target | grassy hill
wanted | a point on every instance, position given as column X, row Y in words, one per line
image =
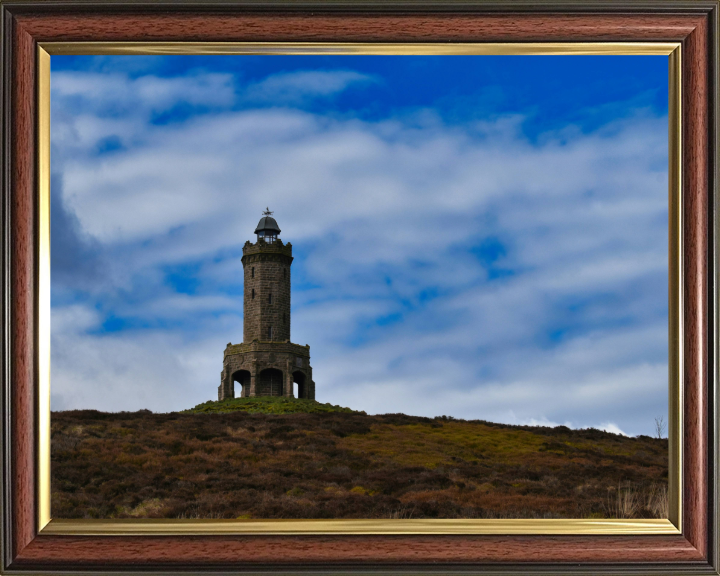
column 267, row 405
column 286, row 458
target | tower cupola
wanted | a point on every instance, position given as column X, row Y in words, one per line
column 267, row 228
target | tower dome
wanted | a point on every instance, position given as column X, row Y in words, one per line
column 267, row 228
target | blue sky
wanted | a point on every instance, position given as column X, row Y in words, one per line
column 483, row 237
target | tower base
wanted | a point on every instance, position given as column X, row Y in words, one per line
column 266, row 369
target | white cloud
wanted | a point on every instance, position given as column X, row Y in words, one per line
column 298, row 87
column 130, row 371
column 114, row 92
column 610, row 427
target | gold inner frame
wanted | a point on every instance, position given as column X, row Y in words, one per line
column 672, row 525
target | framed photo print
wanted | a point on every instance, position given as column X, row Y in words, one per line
column 359, row 288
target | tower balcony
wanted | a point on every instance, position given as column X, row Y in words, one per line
column 267, row 346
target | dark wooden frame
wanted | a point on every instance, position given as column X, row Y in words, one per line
column 694, row 23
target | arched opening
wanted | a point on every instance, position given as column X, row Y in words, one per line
column 299, row 379
column 269, row 383
column 242, row 377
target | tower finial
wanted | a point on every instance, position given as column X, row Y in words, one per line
column 267, row 212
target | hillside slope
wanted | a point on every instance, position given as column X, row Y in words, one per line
column 340, row 464
column 267, row 405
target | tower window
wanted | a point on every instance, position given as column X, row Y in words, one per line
column 253, row 294
column 252, row 272
column 267, row 236
column 270, row 332
column 284, row 272
column 269, row 298
column 284, row 318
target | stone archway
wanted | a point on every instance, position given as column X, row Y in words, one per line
column 269, row 383
column 242, row 377
column 299, row 378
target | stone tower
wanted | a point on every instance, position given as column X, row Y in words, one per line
column 266, row 363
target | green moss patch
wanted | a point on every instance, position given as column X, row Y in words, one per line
column 267, row 405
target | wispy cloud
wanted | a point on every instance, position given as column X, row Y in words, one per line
column 114, row 93
column 610, row 427
column 294, row 88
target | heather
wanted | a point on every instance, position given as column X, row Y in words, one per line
column 286, row 459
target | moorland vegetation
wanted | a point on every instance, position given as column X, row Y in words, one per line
column 285, row 458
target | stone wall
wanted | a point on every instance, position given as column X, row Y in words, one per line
column 250, row 365
column 266, row 302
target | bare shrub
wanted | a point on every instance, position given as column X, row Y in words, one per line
column 660, row 426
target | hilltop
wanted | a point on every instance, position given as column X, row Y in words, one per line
column 267, row 405
column 286, row 458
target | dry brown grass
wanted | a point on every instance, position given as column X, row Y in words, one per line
column 632, row 501
column 623, row 502
column 657, row 500
column 344, row 465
